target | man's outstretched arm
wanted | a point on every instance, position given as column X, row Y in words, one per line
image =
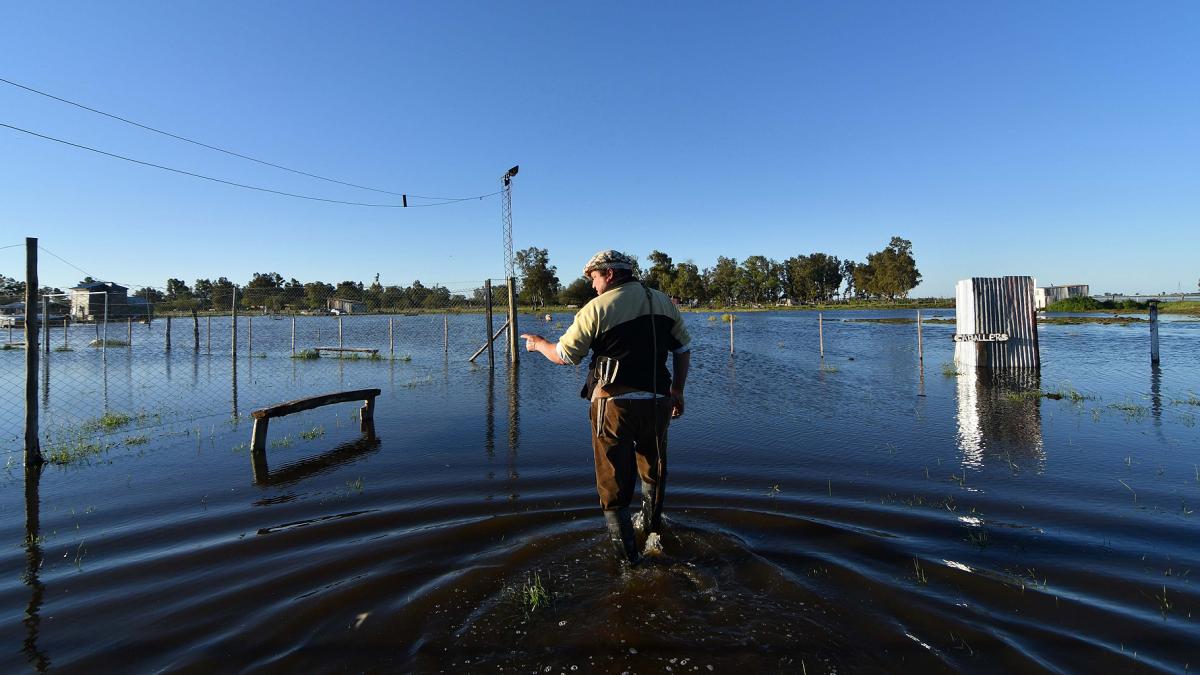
column 548, row 349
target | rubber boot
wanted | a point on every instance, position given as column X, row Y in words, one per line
column 620, row 533
column 651, row 510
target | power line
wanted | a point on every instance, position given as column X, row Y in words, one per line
column 235, row 184
column 219, row 149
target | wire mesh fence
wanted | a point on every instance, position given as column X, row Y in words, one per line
column 117, row 365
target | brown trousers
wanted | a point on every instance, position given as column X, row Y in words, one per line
column 622, row 441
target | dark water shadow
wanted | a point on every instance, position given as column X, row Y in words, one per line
column 34, row 559
column 294, row 472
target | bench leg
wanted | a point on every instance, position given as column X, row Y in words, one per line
column 258, row 437
column 366, row 418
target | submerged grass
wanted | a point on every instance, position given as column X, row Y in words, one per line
column 307, row 354
column 312, row 434
column 532, row 595
column 948, row 370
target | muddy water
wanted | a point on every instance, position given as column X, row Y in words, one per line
column 857, row 514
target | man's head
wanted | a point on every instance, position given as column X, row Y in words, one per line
column 607, row 268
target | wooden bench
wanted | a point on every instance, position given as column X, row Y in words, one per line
column 262, row 416
column 361, row 350
column 262, row 420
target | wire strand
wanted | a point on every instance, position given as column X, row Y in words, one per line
column 220, row 149
column 235, row 184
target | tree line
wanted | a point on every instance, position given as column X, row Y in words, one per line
column 758, row 280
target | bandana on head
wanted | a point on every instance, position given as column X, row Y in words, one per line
column 608, row 260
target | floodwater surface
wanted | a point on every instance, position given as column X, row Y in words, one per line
column 860, row 512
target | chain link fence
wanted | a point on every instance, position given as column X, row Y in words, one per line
column 119, row 364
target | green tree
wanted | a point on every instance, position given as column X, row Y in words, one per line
column 178, row 290
column 578, row 292
column 724, row 281
column 848, row 267
column 221, row 294
column 661, row 271
column 539, row 281
column 760, row 279
column 152, row 295
column 893, row 270
column 202, row 292
column 316, row 293
column 349, row 290
column 264, row 290
column 688, row 284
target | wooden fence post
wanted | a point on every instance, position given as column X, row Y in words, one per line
column 731, row 318
column 487, row 293
column 920, row 344
column 391, row 337
column 46, row 321
column 195, row 332
column 1153, row 332
column 293, row 336
column 821, row 332
column 446, row 333
column 233, row 308
column 33, row 447
column 168, row 333
column 250, row 335
column 513, row 354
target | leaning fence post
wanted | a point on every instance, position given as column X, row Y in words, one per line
column 33, row 448
column 1153, row 332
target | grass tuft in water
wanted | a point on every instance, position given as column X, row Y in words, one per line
column 920, row 573
column 948, row 370
column 62, row 348
column 108, row 343
column 307, row 354
column 532, row 594
column 312, row 434
column 109, row 421
column 75, row 451
column 137, row 440
column 285, row 442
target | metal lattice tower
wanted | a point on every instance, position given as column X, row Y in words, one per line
column 506, row 215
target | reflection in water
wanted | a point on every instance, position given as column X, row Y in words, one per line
column 295, row 472
column 514, row 426
column 33, row 565
column 1156, row 394
column 999, row 416
column 489, row 432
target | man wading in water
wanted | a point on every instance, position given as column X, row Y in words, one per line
column 629, row 328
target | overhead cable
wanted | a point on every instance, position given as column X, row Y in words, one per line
column 219, row 149
column 241, row 185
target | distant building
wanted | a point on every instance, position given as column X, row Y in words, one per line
column 87, row 302
column 1047, row 295
column 340, row 306
column 13, row 309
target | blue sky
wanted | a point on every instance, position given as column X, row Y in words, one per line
column 1053, row 139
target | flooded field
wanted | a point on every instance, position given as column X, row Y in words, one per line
column 856, row 513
